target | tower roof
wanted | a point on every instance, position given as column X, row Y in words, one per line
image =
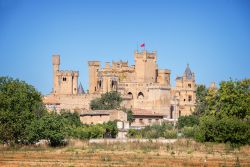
column 80, row 89
column 188, row 73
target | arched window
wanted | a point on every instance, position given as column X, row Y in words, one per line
column 130, row 94
column 140, row 95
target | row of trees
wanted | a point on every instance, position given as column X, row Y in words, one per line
column 24, row 119
column 221, row 115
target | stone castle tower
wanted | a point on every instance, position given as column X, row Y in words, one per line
column 184, row 93
column 64, row 82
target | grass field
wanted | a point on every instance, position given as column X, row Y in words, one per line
column 82, row 153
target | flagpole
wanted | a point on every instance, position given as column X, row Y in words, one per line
column 144, row 45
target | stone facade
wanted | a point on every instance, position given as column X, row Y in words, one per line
column 143, row 86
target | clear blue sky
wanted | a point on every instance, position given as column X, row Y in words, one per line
column 213, row 36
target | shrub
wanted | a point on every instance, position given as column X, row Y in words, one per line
column 81, row 133
column 188, row 131
column 50, row 127
column 170, row 134
column 188, row 121
column 225, row 129
column 108, row 101
column 96, row 131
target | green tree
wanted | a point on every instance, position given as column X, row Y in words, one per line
column 188, row 121
column 227, row 114
column 108, row 101
column 201, row 103
column 234, row 98
column 130, row 116
column 111, row 128
column 20, row 103
column 73, row 118
column 223, row 130
column 51, row 127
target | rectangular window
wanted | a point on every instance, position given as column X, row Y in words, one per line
column 189, row 98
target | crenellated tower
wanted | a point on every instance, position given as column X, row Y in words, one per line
column 64, row 82
column 56, row 65
column 94, row 67
column 145, row 66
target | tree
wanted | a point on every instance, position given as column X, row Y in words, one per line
column 234, row 98
column 111, row 129
column 201, row 103
column 51, row 127
column 227, row 114
column 72, row 118
column 188, row 121
column 20, row 103
column 130, row 116
column 223, row 130
column 108, row 101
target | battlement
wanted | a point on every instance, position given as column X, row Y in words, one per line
column 68, row 73
column 56, row 59
column 94, row 63
column 145, row 55
column 119, row 64
column 164, row 71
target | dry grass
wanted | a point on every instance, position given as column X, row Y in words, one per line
column 81, row 153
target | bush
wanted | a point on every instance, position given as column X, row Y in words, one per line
column 108, row 101
column 96, row 131
column 153, row 132
column 188, row 132
column 50, row 127
column 170, row 134
column 223, row 130
column 81, row 133
column 188, row 121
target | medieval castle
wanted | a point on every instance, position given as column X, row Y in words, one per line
column 144, row 87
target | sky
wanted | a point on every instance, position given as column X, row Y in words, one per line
column 213, row 36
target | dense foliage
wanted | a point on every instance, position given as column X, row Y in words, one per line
column 226, row 114
column 20, row 104
column 107, row 130
column 188, row 121
column 201, row 102
column 155, row 131
column 130, row 116
column 24, row 119
column 107, row 101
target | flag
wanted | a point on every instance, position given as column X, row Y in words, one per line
column 142, row 45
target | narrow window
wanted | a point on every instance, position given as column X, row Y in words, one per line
column 189, row 98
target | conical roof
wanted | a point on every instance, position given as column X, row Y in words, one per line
column 80, row 89
column 188, row 72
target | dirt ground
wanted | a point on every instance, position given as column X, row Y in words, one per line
column 83, row 153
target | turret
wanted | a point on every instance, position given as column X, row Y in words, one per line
column 56, row 64
column 145, row 66
column 93, row 75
